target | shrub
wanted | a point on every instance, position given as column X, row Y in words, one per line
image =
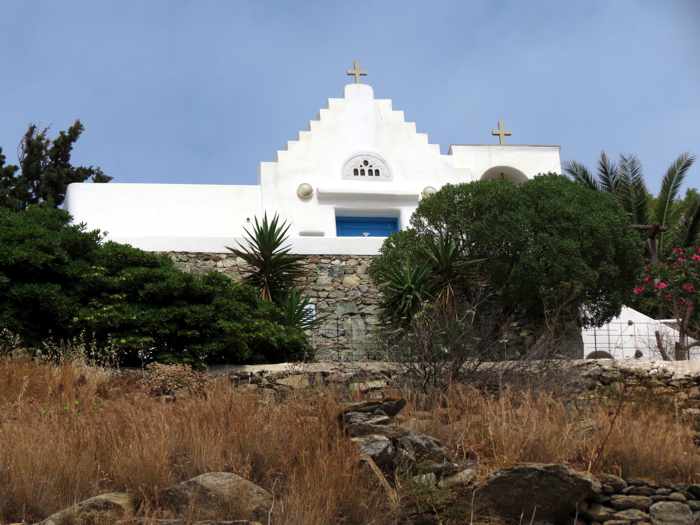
column 61, row 283
column 555, row 255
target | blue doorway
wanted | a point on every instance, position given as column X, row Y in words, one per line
column 366, row 226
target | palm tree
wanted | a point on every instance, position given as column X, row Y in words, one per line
column 626, row 181
column 272, row 269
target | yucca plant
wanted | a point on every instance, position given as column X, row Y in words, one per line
column 297, row 311
column 626, row 181
column 448, row 268
column 405, row 290
column 272, row 269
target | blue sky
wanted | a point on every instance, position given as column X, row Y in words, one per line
column 202, row 91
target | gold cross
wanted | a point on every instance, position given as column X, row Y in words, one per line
column 500, row 132
column 356, row 72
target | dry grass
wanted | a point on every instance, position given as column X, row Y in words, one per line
column 71, row 432
column 645, row 439
column 68, row 433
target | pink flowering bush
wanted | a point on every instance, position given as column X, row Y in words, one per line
column 675, row 283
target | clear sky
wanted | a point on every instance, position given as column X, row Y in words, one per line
column 202, row 91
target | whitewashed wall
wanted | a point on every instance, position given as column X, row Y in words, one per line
column 206, row 218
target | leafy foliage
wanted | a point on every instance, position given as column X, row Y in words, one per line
column 61, row 283
column 547, row 245
column 44, row 170
column 273, row 269
column 625, row 181
column 676, row 284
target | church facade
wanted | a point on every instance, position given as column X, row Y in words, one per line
column 347, row 182
column 353, row 177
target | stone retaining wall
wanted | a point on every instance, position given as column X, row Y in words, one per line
column 339, row 286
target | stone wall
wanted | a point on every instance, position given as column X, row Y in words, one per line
column 339, row 286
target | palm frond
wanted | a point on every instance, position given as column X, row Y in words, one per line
column 633, row 190
column 689, row 225
column 579, row 173
column 670, row 186
column 607, row 173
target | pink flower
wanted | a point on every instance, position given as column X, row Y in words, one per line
column 638, row 290
column 647, row 279
column 661, row 285
column 688, row 287
column 696, row 257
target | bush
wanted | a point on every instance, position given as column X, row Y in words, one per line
column 555, row 255
column 61, row 283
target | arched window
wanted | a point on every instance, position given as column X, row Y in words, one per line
column 504, row 173
column 366, row 166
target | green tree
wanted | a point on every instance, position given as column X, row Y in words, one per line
column 44, row 170
column 625, row 181
column 552, row 250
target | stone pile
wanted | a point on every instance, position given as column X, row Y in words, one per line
column 215, row 498
column 371, row 426
column 642, row 501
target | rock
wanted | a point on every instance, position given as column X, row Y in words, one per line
column 363, row 423
column 625, row 501
column 389, row 407
column 422, row 447
column 377, row 447
column 105, row 508
column 462, row 478
column 553, row 490
column 632, row 515
column 217, row 495
column 694, row 490
column 694, row 505
column 639, row 490
column 598, row 512
column 641, row 481
column 677, row 496
column 426, row 480
column 616, row 483
column 671, row 513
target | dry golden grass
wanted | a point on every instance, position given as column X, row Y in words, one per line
column 633, row 438
column 70, row 432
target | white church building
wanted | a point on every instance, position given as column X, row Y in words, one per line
column 352, row 178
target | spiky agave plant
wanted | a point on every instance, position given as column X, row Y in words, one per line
column 272, row 269
column 405, row 290
column 449, row 270
column 297, row 311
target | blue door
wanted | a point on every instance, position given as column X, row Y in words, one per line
column 366, row 226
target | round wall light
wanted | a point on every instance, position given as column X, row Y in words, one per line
column 428, row 191
column 305, row 191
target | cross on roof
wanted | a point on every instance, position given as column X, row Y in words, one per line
column 356, row 71
column 500, row 132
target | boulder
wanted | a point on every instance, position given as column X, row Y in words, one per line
column 216, row 496
column 632, row 515
column 670, row 513
column 598, row 513
column 362, row 423
column 626, row 501
column 616, row 483
column 389, row 407
column 462, row 478
column 422, row 447
column 377, row 447
column 552, row 491
column 105, row 508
